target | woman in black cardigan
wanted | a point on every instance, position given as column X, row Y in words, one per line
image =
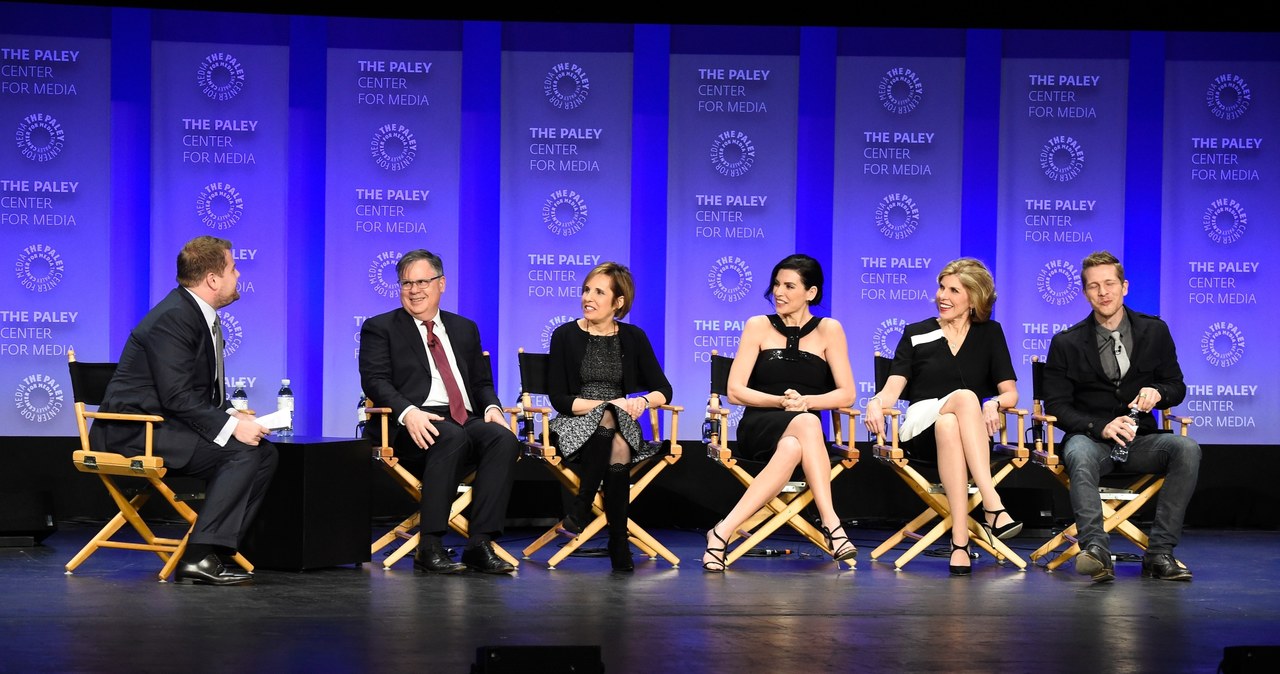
column 603, row 376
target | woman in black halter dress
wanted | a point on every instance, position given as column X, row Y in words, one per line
column 788, row 367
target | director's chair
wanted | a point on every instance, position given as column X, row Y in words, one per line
column 1123, row 493
column 88, row 387
column 1005, row 457
column 530, row 422
column 785, row 508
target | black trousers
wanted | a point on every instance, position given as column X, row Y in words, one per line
column 236, row 480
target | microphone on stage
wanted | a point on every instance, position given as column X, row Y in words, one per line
column 767, row 552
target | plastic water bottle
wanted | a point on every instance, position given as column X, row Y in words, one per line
column 1121, row 453
column 284, row 401
column 362, row 416
column 240, row 399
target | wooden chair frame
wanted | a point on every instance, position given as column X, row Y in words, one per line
column 1118, row 504
column 408, row 529
column 530, row 423
column 1008, row 455
column 785, row 508
column 88, row 383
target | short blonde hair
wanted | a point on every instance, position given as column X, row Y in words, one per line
column 976, row 278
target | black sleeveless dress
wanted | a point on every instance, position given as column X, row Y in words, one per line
column 775, row 371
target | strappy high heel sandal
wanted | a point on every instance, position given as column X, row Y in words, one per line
column 1013, row 528
column 961, row 570
column 716, row 565
column 846, row 550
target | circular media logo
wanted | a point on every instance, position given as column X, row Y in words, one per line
column 1062, row 158
column 1222, row 344
column 1228, row 96
column 40, row 137
column 566, row 86
column 220, row 76
column 887, row 335
column 897, row 216
column 393, row 146
column 1225, row 221
column 900, row 90
column 544, row 337
column 1058, row 282
column 733, row 153
column 729, row 278
column 219, row 205
column 564, row 212
column 39, row 268
column 382, row 273
column 38, row 398
column 232, row 333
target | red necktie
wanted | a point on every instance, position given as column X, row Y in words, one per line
column 457, row 409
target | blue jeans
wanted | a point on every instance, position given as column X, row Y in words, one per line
column 1174, row 456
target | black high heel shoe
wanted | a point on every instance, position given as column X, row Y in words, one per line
column 961, row 570
column 716, row 565
column 1013, row 528
column 846, row 550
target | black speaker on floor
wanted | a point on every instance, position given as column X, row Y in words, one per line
column 26, row 518
column 1249, row 659
column 541, row 659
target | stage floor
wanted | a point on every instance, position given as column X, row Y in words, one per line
column 788, row 613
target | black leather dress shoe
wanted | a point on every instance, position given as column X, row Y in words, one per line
column 433, row 559
column 1162, row 566
column 482, row 558
column 1095, row 561
column 231, row 568
column 208, row 571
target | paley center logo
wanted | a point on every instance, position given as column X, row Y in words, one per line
column 544, row 337
column 232, row 333
column 39, row 398
column 1062, row 158
column 219, row 205
column 39, row 268
column 566, row 86
column 733, row 153
column 220, row 76
column 1225, row 221
column 40, row 137
column 382, row 273
column 393, row 147
column 1222, row 344
column 729, row 278
column 900, row 90
column 897, row 216
column 887, row 335
column 1228, row 96
column 1058, row 282
column 564, row 212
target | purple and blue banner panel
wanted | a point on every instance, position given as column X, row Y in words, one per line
column 566, row 191
column 1219, row 235
column 219, row 161
column 391, row 185
column 731, row 204
column 54, row 224
column 1061, row 192
column 898, row 168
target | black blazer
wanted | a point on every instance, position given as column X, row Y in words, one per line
column 1078, row 392
column 395, row 368
column 640, row 369
column 168, row 367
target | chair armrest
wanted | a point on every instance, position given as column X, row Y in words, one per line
column 1169, row 417
column 123, row 416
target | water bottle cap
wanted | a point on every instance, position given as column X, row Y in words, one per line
column 284, row 382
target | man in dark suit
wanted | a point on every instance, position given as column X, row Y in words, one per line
column 170, row 367
column 1114, row 361
column 428, row 367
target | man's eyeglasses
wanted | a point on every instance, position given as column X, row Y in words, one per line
column 420, row 284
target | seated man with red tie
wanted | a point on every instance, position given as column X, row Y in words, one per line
column 428, row 367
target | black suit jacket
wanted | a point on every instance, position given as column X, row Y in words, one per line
column 1078, row 392
column 167, row 368
column 395, row 368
